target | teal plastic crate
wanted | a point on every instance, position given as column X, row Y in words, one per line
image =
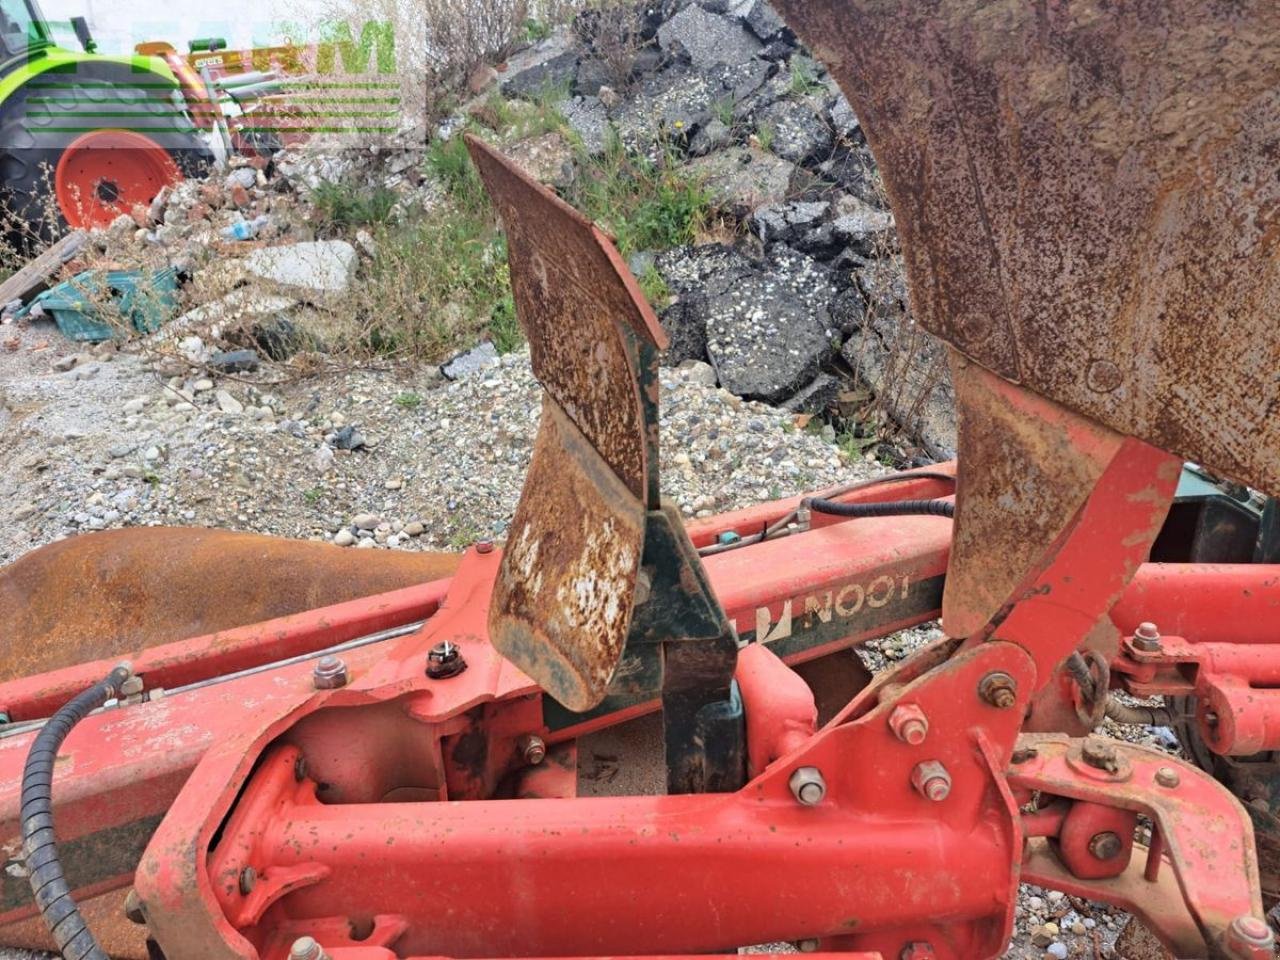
column 146, row 299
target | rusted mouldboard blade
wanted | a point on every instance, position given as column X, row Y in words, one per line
column 1087, row 199
column 562, row 604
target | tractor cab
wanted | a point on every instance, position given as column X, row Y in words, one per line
column 23, row 33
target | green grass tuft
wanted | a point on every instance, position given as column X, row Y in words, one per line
column 349, row 205
column 645, row 204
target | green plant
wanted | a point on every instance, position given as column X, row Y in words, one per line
column 853, row 445
column 464, row 536
column 346, row 204
column 804, row 77
column 646, row 204
column 497, row 113
column 535, row 30
column 654, row 287
column 313, row 494
column 450, row 163
column 723, row 110
column 504, row 328
column 765, row 134
column 408, row 400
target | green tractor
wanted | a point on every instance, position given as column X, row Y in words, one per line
column 84, row 137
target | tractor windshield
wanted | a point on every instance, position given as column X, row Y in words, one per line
column 21, row 28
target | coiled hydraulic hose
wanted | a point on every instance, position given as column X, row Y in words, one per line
column 39, row 846
column 891, row 508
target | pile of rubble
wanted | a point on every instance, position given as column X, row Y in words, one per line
column 810, row 302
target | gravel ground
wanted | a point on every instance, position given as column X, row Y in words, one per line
column 113, row 442
column 98, row 439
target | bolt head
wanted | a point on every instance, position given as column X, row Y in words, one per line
column 329, row 673
column 444, row 661
column 808, row 786
column 807, row 946
column 909, row 723
column 1105, row 845
column 304, row 948
column 931, row 780
column 998, row 689
column 248, row 880
column 133, row 907
column 1098, row 753
column 1249, row 935
column 1167, row 777
column 484, row 546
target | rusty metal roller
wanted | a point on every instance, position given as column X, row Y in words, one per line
column 1087, row 197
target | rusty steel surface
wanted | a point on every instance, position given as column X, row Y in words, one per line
column 1087, row 199
column 101, row 595
column 576, row 301
column 1028, row 467
column 562, row 604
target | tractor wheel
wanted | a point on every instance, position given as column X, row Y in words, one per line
column 77, row 150
column 1255, row 781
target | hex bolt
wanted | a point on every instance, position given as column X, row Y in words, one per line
column 533, row 749
column 1105, row 845
column 484, row 546
column 808, row 785
column 1146, row 638
column 306, row 948
column 1099, row 754
column 300, row 768
column 931, row 780
column 1167, row 777
column 1248, row 936
column 133, row 907
column 998, row 689
column 329, row 673
column 248, row 878
column 807, row 946
column 909, row 724
column 445, row 661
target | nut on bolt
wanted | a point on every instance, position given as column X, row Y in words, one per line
column 1146, row 638
column 330, row 673
column 909, row 724
column 484, row 546
column 1105, row 845
column 808, row 786
column 931, row 780
column 444, row 661
column 998, row 689
column 1167, row 777
column 533, row 749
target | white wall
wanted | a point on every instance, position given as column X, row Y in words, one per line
column 118, row 24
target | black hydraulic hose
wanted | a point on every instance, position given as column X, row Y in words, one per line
column 39, row 846
column 892, row 508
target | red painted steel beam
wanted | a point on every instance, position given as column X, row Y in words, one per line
column 1205, row 602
